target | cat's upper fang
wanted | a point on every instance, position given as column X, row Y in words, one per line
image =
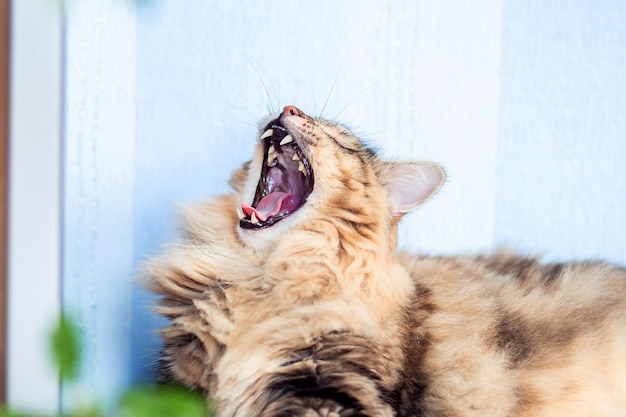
column 267, row 133
column 287, row 139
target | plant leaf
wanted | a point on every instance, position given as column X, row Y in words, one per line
column 6, row 412
column 65, row 348
column 163, row 401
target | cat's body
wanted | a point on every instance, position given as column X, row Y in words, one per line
column 296, row 303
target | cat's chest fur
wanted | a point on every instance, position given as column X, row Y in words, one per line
column 287, row 298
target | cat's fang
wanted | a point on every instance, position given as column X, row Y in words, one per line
column 287, row 139
column 253, row 218
column 267, row 133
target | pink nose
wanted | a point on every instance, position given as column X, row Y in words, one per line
column 292, row 111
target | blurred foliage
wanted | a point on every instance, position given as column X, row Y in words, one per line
column 65, row 348
column 140, row 401
column 162, row 401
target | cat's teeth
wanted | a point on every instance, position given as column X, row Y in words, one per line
column 301, row 168
column 271, row 155
column 267, row 133
column 295, row 157
column 287, row 139
column 253, row 219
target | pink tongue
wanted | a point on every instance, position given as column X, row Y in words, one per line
column 273, row 204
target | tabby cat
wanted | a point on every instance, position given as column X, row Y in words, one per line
column 288, row 298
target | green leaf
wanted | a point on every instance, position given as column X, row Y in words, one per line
column 90, row 410
column 65, row 348
column 5, row 412
column 163, row 401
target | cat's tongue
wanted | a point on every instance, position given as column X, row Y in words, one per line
column 273, row 204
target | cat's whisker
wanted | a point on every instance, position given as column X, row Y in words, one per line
column 332, row 88
column 358, row 95
column 269, row 103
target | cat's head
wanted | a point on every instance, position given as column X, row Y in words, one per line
column 307, row 170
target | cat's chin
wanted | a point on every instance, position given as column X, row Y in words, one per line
column 265, row 238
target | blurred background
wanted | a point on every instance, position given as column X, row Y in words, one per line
column 122, row 110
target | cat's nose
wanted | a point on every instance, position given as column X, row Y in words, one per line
column 292, row 111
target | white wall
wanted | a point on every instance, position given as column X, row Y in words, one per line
column 561, row 188
column 34, row 273
column 521, row 102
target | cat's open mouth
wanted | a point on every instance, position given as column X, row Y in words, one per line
column 286, row 180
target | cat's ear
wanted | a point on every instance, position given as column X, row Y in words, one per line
column 410, row 184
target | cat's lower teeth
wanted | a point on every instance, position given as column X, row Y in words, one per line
column 301, row 168
column 271, row 155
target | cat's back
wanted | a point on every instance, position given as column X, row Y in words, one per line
column 537, row 339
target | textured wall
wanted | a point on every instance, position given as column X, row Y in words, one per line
column 521, row 102
column 561, row 183
column 98, row 238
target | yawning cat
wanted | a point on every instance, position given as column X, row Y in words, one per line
column 288, row 298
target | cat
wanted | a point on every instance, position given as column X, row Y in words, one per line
column 287, row 298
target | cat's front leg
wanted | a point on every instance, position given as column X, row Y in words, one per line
column 197, row 337
column 195, row 342
column 215, row 309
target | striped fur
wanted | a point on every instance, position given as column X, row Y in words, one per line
column 318, row 315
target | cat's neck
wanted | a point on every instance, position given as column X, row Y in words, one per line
column 327, row 261
column 340, row 262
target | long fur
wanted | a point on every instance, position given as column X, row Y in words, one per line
column 319, row 316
